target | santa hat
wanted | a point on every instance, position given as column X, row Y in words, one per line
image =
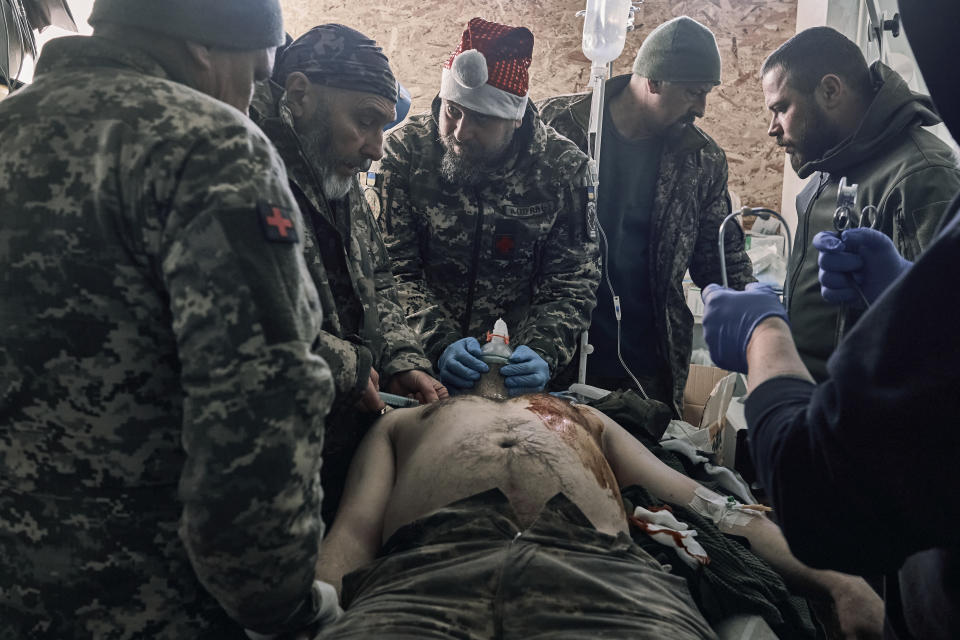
column 488, row 71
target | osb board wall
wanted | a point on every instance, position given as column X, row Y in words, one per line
column 418, row 36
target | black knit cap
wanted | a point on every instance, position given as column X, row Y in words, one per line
column 337, row 56
column 242, row 25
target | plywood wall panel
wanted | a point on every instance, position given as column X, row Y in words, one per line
column 418, row 36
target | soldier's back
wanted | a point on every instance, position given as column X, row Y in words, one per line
column 94, row 156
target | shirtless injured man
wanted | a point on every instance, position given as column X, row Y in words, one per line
column 477, row 518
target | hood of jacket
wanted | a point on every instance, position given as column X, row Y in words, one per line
column 894, row 108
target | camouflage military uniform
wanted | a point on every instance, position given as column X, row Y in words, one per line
column 690, row 202
column 363, row 323
column 520, row 246
column 468, row 571
column 162, row 409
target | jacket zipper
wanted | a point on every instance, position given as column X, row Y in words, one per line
column 795, row 277
column 474, row 266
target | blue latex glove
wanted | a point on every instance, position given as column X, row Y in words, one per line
column 729, row 318
column 460, row 364
column 864, row 255
column 526, row 373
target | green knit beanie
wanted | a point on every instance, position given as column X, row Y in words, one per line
column 243, row 25
column 679, row 50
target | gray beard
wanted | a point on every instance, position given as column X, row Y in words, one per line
column 316, row 145
column 461, row 171
column 335, row 187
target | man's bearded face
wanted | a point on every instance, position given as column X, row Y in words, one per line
column 337, row 167
column 474, row 144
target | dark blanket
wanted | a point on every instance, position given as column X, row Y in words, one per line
column 736, row 581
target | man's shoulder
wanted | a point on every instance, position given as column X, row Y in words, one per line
column 560, row 107
column 416, row 130
column 915, row 154
column 558, row 156
column 931, row 151
column 414, row 140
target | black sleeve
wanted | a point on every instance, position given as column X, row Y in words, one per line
column 862, row 469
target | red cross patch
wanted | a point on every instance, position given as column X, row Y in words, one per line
column 277, row 223
column 504, row 245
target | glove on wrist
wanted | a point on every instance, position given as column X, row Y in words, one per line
column 862, row 255
column 729, row 318
column 460, row 365
column 526, row 373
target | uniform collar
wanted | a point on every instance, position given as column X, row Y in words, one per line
column 71, row 52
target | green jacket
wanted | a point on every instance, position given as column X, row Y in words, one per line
column 162, row 408
column 691, row 201
column 519, row 246
column 907, row 173
column 363, row 323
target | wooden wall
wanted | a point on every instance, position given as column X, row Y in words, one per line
column 418, row 36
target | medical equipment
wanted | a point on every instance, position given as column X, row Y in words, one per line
column 399, row 402
column 846, row 205
column 842, row 220
column 497, row 347
column 878, row 23
column 18, row 20
column 605, row 30
column 760, row 212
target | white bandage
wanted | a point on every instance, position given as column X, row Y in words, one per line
column 724, row 512
column 663, row 518
column 662, row 527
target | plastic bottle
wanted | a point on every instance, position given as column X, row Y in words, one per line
column 496, row 353
column 497, row 347
column 605, row 30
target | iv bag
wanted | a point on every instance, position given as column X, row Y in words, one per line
column 605, row 30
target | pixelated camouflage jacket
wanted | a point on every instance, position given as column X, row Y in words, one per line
column 690, row 202
column 519, row 246
column 161, row 410
column 366, row 327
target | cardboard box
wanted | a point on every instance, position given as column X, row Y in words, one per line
column 700, row 384
column 707, row 398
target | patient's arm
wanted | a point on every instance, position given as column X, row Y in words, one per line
column 859, row 608
column 357, row 531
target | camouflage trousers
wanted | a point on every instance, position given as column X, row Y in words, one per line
column 467, row 571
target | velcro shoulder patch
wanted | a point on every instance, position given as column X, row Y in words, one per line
column 277, row 223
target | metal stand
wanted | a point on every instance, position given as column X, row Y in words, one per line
column 765, row 214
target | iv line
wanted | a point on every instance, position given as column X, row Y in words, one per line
column 616, row 306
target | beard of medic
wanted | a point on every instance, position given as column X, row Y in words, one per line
column 317, row 136
column 469, row 163
column 814, row 138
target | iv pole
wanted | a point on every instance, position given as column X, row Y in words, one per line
column 599, row 14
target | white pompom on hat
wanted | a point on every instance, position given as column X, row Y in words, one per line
column 488, row 71
column 469, row 69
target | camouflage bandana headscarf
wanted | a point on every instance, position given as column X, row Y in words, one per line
column 338, row 56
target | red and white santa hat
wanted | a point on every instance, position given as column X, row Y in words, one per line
column 488, row 71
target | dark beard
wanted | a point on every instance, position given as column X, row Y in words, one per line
column 468, row 168
column 817, row 139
